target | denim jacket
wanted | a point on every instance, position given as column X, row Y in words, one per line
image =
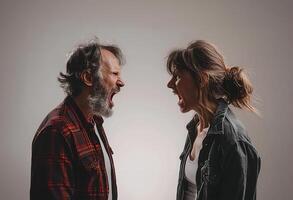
column 228, row 164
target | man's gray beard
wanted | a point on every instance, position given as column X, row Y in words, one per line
column 98, row 100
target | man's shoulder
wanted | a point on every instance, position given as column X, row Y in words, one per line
column 61, row 120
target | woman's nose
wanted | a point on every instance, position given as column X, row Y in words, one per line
column 170, row 84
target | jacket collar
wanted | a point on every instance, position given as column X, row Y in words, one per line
column 217, row 123
column 216, row 126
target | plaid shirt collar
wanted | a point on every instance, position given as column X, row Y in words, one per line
column 98, row 120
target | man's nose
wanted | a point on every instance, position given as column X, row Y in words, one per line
column 120, row 83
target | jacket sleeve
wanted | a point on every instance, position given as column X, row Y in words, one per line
column 240, row 173
column 52, row 174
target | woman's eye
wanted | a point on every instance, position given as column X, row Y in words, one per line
column 115, row 73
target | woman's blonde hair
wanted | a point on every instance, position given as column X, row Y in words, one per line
column 213, row 77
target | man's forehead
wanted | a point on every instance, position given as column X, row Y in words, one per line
column 109, row 59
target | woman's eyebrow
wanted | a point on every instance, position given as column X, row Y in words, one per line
column 175, row 71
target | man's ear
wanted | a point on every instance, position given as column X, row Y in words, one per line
column 87, row 78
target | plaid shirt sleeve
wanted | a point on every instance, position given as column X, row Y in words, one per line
column 52, row 170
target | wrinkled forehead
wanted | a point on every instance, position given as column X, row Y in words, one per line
column 109, row 60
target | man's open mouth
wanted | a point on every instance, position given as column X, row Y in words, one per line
column 111, row 103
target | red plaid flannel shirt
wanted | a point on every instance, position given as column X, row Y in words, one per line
column 67, row 159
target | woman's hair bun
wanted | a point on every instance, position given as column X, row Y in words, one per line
column 236, row 85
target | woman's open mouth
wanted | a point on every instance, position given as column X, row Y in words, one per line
column 180, row 99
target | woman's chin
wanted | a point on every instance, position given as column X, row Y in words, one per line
column 183, row 108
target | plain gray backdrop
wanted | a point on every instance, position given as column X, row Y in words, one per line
column 147, row 131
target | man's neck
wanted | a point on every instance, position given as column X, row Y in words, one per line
column 83, row 104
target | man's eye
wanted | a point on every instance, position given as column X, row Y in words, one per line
column 115, row 73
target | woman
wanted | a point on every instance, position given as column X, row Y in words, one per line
column 218, row 161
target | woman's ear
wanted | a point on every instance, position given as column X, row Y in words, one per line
column 87, row 78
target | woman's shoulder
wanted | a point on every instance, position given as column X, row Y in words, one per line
column 233, row 131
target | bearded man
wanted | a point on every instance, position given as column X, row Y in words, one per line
column 71, row 156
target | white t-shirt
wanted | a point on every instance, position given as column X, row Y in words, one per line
column 192, row 165
column 107, row 164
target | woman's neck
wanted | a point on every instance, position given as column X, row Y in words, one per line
column 205, row 120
